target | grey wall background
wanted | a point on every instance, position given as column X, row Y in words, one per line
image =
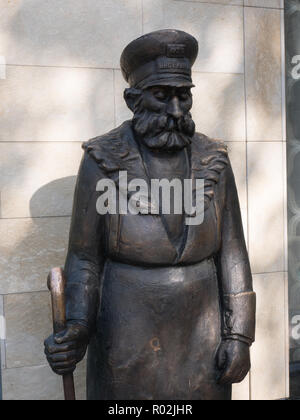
column 63, row 85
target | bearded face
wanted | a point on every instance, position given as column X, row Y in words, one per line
column 162, row 120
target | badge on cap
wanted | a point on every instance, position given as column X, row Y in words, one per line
column 176, row 50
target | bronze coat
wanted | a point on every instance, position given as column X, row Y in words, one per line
column 156, row 313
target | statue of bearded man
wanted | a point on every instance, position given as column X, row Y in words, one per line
column 166, row 309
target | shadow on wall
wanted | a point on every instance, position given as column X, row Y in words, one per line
column 54, row 199
column 32, row 246
column 54, row 202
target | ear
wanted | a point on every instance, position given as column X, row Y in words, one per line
column 131, row 96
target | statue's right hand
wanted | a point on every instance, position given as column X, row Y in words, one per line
column 66, row 349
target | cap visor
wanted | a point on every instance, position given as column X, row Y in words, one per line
column 175, row 81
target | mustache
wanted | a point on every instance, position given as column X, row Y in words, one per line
column 149, row 123
column 168, row 141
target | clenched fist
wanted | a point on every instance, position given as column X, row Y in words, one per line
column 233, row 360
column 66, row 349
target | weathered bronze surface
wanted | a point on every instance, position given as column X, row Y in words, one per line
column 56, row 285
column 166, row 308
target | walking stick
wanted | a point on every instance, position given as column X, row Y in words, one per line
column 56, row 285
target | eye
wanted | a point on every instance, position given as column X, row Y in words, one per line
column 184, row 96
column 160, row 95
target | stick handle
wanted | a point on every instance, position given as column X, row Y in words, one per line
column 56, row 285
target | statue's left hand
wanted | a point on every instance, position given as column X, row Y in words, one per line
column 233, row 360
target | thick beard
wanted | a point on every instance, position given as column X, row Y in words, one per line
column 162, row 132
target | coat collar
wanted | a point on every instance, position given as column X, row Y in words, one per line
column 118, row 151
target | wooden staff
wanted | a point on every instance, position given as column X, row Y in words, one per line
column 56, row 285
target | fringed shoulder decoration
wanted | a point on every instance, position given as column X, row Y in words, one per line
column 209, row 159
column 109, row 150
column 117, row 151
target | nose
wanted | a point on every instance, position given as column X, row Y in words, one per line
column 174, row 109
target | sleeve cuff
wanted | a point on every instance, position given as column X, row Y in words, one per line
column 239, row 317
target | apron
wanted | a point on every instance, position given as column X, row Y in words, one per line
column 158, row 332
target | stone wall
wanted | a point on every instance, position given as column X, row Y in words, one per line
column 63, row 85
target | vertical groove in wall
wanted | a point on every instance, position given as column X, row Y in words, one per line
column 282, row 28
column 114, row 92
column 287, row 341
column 284, row 138
column 142, row 4
column 2, row 342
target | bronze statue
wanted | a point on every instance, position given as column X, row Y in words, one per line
column 166, row 308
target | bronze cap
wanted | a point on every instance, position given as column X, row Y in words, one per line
column 162, row 57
